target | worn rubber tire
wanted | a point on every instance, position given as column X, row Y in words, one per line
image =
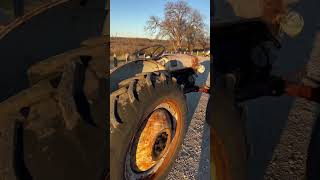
column 229, row 148
column 130, row 105
column 56, row 128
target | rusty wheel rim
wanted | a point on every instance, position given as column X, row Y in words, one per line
column 155, row 143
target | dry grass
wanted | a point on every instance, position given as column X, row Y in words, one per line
column 122, row 45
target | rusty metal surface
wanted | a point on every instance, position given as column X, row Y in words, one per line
column 175, row 111
column 158, row 122
column 155, row 169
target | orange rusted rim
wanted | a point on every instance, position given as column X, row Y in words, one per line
column 154, row 140
column 155, row 143
column 220, row 169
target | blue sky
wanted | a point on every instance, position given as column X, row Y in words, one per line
column 128, row 17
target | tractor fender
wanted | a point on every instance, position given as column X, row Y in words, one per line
column 131, row 69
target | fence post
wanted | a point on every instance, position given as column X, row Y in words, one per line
column 115, row 60
column 127, row 57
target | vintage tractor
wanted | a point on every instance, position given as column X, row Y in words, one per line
column 53, row 90
column 148, row 112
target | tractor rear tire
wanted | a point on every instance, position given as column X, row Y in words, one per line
column 56, row 128
column 132, row 108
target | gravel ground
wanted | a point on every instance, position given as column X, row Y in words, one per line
column 290, row 155
column 193, row 161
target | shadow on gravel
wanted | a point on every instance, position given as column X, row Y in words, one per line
column 266, row 119
column 267, row 116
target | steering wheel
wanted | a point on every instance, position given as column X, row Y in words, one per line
column 156, row 52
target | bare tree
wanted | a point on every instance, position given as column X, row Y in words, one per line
column 179, row 24
column 194, row 30
column 204, row 39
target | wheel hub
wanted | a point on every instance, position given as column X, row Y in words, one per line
column 154, row 140
column 160, row 144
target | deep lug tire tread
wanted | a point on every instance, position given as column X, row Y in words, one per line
column 131, row 100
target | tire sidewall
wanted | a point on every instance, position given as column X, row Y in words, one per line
column 228, row 123
column 134, row 118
